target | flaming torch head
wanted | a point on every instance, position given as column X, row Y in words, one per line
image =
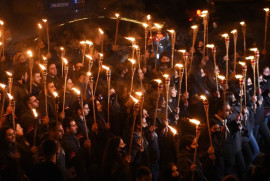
column 42, row 67
column 134, row 99
column 117, row 15
column 9, row 74
column 35, row 113
column 172, row 129
column 1, row 22
column 77, row 91
column 132, row 39
column 132, row 61
column 101, row 31
column 148, row 17
column 10, row 96
column 145, row 25
column 55, row 94
column 266, row 10
column 89, row 57
column 39, row 26
column 29, row 53
column 2, row 86
column 65, row 61
column 194, row 27
column 242, row 23
column 179, row 66
column 44, row 20
column 195, row 121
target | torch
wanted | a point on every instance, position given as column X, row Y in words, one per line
column 224, row 86
column 243, row 25
column 253, row 64
column 56, row 100
column 257, row 58
column 44, row 71
column 206, row 109
column 205, row 24
column 83, row 43
column 135, row 113
column 234, row 32
column 241, row 83
column 13, row 110
column 36, row 122
column 244, row 73
column 133, row 43
column 90, row 62
column 212, row 46
column 3, row 36
column 173, row 45
column 194, row 36
column 167, row 85
column 158, row 32
column 117, row 15
column 133, row 68
column 141, row 100
column 90, row 47
column 109, row 74
column 31, row 62
column 150, row 29
column 227, row 43
column 180, row 68
column 265, row 29
column 10, row 83
column 99, row 68
column 3, row 87
column 185, row 56
column 145, row 25
column 138, row 53
column 160, row 88
column 47, row 31
column 78, row 92
column 65, row 83
column 91, row 84
column 101, row 37
column 39, row 40
column 62, row 56
column 197, row 123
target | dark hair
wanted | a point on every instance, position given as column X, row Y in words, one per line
column 53, row 125
column 166, row 172
column 66, row 122
column 48, row 148
column 142, row 171
column 187, row 141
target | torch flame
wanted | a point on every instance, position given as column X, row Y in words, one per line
column 148, row 17
column 9, row 73
column 42, row 67
column 10, row 96
column 166, row 76
column 253, row 49
column 172, row 129
column 221, row 77
column 130, row 39
column 182, row 51
column 89, row 57
column 138, row 93
column 89, row 74
column 100, row 54
column 132, row 61
column 225, row 35
column 242, row 63
column 204, row 12
column 55, row 94
column 3, row 86
column 1, row 22
column 203, row 98
column 117, row 15
column 158, row 81
column 234, row 31
column 135, row 46
column 44, row 58
column 239, row 76
column 195, row 121
column 178, row 65
column 39, row 26
column 145, row 25
column 62, row 48
column 1, row 43
column 82, row 42
column 171, row 31
column 210, row 45
column 158, row 25
column 266, row 9
column 35, row 113
column 250, row 58
column 89, row 42
column 77, row 91
column 105, row 67
column 101, row 31
column 242, row 23
column 65, row 61
column 194, row 27
column 44, row 20
column 29, row 52
column 134, row 99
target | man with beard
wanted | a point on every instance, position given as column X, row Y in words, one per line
column 36, row 86
column 19, row 89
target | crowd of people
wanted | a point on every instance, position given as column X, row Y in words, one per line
column 81, row 137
